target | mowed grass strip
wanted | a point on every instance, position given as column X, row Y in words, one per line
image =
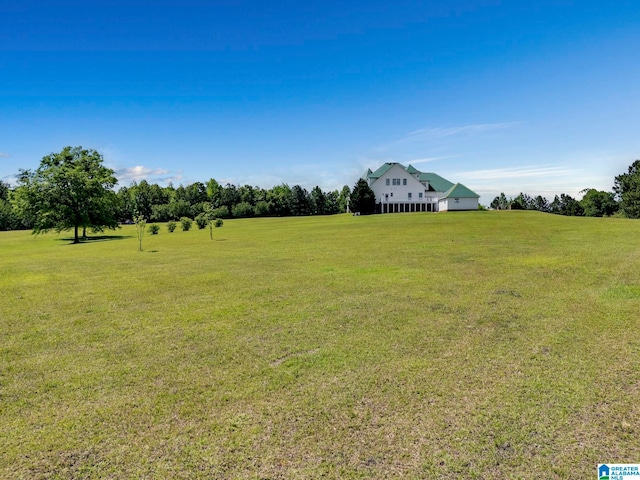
column 474, row 345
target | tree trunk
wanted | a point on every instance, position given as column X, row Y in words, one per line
column 75, row 237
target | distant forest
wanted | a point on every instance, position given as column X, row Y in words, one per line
column 594, row 203
column 161, row 204
column 29, row 206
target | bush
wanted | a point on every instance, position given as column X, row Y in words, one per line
column 220, row 212
column 154, row 228
column 261, row 209
column 185, row 222
column 202, row 220
column 171, row 226
column 218, row 222
column 160, row 213
column 242, row 210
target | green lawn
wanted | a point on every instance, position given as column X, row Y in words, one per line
column 474, row 345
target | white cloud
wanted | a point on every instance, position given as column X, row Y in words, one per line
column 427, row 160
column 128, row 175
column 10, row 179
column 516, row 172
column 545, row 180
column 4, row 155
column 430, row 133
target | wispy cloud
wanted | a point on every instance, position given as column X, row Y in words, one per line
column 434, row 134
column 139, row 172
column 517, row 172
column 545, row 180
column 4, row 155
column 10, row 179
column 428, row 159
column 441, row 132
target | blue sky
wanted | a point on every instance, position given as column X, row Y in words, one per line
column 504, row 96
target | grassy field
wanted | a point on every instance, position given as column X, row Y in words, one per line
column 474, row 345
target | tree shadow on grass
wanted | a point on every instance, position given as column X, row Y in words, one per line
column 96, row 238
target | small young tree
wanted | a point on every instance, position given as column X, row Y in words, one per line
column 209, row 213
column 141, row 224
column 171, row 226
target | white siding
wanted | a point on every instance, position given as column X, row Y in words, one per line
column 398, row 192
column 451, row 203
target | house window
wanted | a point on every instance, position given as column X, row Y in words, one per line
column 457, row 200
column 409, row 195
column 391, row 194
column 404, row 182
column 388, row 182
column 419, row 194
column 396, row 182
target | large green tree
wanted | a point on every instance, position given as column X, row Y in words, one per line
column 627, row 189
column 8, row 218
column 566, row 205
column 362, row 198
column 318, row 201
column 598, row 203
column 71, row 189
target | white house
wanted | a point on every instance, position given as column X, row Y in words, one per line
column 406, row 189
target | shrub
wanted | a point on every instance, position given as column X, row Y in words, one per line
column 202, row 220
column 171, row 226
column 154, row 228
column 218, row 222
column 160, row 213
column 261, row 209
column 220, row 212
column 185, row 222
column 242, row 210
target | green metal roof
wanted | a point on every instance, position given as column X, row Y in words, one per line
column 367, row 174
column 382, row 170
column 460, row 191
column 438, row 183
column 435, row 181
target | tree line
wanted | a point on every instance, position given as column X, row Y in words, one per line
column 623, row 201
column 72, row 189
column 161, row 204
